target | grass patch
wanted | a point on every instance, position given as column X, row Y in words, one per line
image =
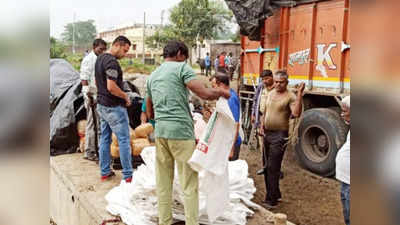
column 136, row 66
column 127, row 65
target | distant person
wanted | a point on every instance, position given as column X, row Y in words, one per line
column 222, row 81
column 86, row 53
column 208, row 64
column 112, row 103
column 216, row 63
column 228, row 59
column 343, row 164
column 167, row 102
column 229, row 65
column 89, row 92
column 221, row 63
column 279, row 106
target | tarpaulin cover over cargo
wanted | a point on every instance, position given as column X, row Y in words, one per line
column 251, row 14
column 67, row 106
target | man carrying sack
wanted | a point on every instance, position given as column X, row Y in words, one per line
column 167, row 102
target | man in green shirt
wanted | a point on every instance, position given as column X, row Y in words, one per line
column 167, row 102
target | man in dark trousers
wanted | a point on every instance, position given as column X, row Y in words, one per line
column 89, row 91
column 279, row 106
column 208, row 64
column 112, row 103
column 266, row 85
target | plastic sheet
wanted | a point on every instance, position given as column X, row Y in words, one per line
column 67, row 106
column 250, row 14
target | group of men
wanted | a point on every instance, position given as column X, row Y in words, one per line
column 167, row 105
column 274, row 105
column 223, row 63
column 106, row 102
column 273, row 108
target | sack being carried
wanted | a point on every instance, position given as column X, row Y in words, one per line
column 210, row 158
column 214, row 146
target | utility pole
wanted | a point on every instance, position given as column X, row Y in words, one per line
column 144, row 34
column 162, row 20
column 162, row 17
column 73, row 35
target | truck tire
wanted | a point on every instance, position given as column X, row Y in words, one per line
column 321, row 134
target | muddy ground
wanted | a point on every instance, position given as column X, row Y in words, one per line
column 307, row 199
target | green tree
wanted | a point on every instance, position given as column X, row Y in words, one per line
column 193, row 20
column 161, row 37
column 57, row 49
column 85, row 33
column 199, row 19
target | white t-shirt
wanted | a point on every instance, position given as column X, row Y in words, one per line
column 87, row 71
column 343, row 162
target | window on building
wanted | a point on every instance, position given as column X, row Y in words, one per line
column 134, row 47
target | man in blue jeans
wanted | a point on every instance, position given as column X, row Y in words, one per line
column 207, row 61
column 112, row 103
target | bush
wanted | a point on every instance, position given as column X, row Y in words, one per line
column 57, row 49
column 75, row 60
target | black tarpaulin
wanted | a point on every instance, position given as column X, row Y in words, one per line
column 67, row 106
column 251, row 14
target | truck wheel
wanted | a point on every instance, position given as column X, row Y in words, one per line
column 321, row 134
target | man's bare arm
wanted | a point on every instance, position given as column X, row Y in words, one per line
column 262, row 125
column 297, row 106
column 149, row 108
column 113, row 88
column 143, row 117
column 203, row 92
column 85, row 82
column 235, row 139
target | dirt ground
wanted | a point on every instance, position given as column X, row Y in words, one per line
column 307, row 199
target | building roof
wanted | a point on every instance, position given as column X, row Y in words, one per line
column 134, row 26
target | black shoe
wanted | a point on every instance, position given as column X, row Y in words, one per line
column 270, row 204
column 261, row 171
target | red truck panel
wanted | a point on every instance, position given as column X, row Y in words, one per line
column 313, row 42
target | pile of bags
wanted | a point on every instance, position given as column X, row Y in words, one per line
column 139, row 138
column 136, row 202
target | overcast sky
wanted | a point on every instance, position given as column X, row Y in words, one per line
column 106, row 13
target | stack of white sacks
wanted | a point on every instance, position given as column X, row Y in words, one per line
column 136, row 202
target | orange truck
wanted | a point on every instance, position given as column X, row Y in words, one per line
column 311, row 41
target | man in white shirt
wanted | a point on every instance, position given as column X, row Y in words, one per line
column 343, row 164
column 89, row 91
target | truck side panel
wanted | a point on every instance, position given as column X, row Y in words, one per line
column 316, row 33
column 250, row 61
column 311, row 41
column 270, row 42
